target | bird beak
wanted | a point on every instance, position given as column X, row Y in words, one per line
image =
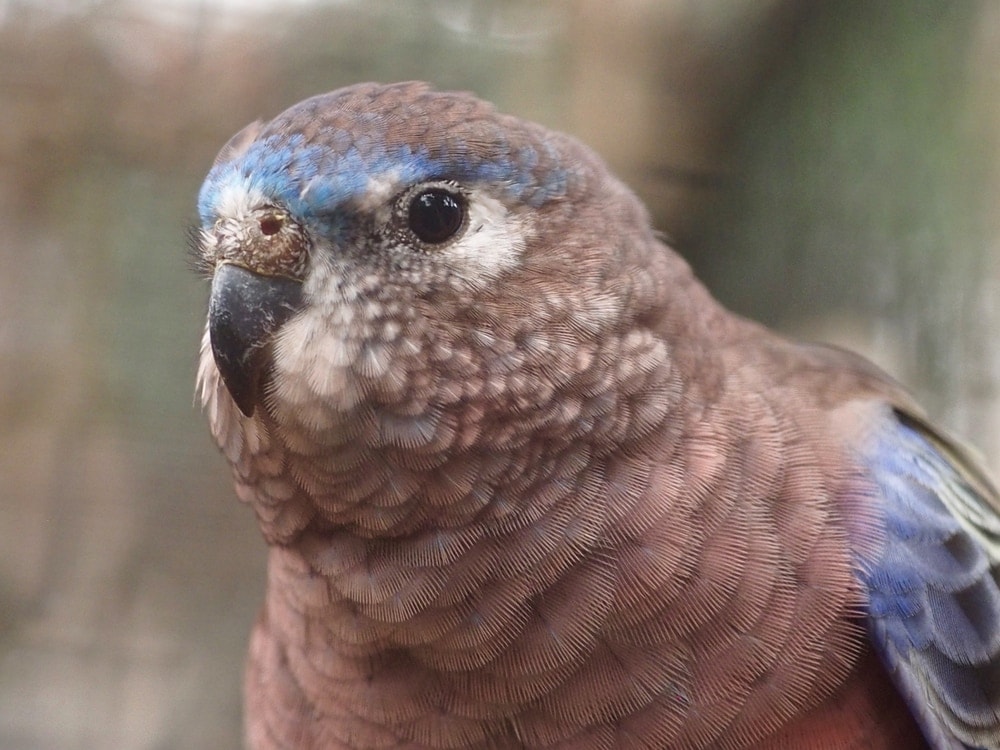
column 244, row 312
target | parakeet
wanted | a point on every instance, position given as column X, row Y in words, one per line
column 525, row 484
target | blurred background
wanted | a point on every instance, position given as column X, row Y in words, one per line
column 828, row 166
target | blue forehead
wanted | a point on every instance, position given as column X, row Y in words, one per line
column 314, row 180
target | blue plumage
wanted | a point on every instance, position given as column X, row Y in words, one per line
column 314, row 177
column 934, row 599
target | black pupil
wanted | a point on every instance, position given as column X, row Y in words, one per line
column 436, row 215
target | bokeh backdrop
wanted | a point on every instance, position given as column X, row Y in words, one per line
column 828, row 166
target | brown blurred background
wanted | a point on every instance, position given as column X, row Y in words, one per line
column 829, row 166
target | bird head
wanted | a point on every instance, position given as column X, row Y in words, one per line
column 396, row 249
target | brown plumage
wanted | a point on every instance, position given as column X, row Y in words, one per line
column 529, row 486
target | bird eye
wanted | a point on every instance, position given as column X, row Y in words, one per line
column 436, row 215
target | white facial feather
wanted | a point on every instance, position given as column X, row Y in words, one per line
column 493, row 242
column 237, row 200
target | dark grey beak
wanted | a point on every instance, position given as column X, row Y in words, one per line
column 245, row 311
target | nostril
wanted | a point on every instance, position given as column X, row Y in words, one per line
column 270, row 225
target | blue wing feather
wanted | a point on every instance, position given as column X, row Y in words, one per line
column 934, row 586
